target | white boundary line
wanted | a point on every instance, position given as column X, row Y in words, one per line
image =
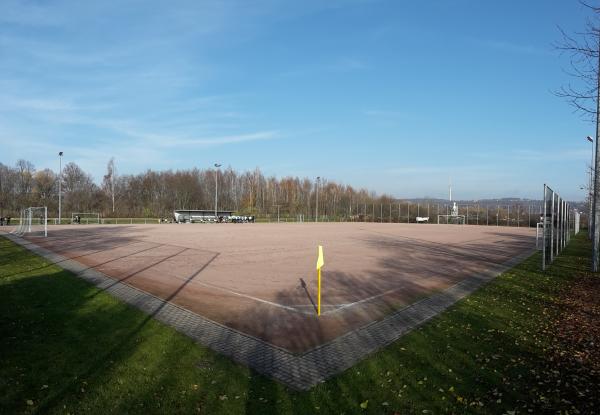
column 297, row 371
column 297, row 308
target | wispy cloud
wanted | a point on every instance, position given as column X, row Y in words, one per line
column 171, row 140
column 339, row 65
column 385, row 113
column 551, row 154
column 35, row 104
column 414, row 170
column 512, row 48
column 28, row 13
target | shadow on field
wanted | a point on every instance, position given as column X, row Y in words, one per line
column 64, row 335
column 100, row 355
column 409, row 270
column 484, row 351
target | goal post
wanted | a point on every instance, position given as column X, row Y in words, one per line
column 85, row 218
column 33, row 222
column 451, row 219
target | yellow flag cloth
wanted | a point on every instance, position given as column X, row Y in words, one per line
column 320, row 260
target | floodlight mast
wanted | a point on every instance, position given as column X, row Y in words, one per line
column 217, row 165
column 60, row 154
column 112, row 182
column 590, row 192
column 596, row 202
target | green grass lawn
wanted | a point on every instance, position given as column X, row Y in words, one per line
column 66, row 347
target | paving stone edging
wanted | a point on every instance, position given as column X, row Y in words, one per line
column 299, row 372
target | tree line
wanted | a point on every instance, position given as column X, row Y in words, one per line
column 157, row 193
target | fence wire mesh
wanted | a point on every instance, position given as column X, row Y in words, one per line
column 556, row 224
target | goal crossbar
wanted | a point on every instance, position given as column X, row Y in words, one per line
column 33, row 221
column 452, row 219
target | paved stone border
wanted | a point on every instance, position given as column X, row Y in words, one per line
column 299, row 372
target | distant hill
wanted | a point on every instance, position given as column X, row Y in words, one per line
column 582, row 206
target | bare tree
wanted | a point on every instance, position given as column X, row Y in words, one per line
column 79, row 189
column 583, row 48
column 8, row 181
column 45, row 182
column 25, row 170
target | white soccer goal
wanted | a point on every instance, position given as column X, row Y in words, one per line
column 539, row 233
column 458, row 219
column 85, row 218
column 33, row 222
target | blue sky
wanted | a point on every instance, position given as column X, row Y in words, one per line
column 396, row 96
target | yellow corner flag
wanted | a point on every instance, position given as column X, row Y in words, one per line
column 320, row 263
column 320, row 260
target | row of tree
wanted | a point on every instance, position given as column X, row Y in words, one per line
column 158, row 193
column 154, row 194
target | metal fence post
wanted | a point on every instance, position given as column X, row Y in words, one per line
column 544, row 231
column 552, row 229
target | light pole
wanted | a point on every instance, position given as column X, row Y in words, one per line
column 60, row 154
column 317, row 201
column 217, row 165
column 591, row 193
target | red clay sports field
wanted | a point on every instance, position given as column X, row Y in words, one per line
column 260, row 279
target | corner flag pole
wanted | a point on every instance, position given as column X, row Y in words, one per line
column 320, row 263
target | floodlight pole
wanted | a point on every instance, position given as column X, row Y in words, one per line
column 590, row 193
column 217, row 165
column 596, row 203
column 60, row 154
column 112, row 187
column 317, row 201
column 498, row 216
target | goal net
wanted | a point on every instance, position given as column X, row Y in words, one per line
column 85, row 218
column 33, row 222
column 448, row 219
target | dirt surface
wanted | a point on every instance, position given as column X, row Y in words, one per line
column 261, row 278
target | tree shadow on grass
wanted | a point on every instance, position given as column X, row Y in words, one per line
column 59, row 335
column 73, row 342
